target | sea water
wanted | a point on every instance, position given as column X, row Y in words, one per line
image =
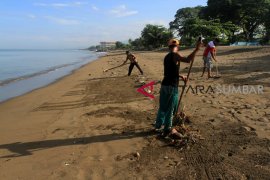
column 22, row 71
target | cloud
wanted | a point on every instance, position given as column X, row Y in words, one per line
column 155, row 22
column 62, row 21
column 31, row 16
column 95, row 8
column 61, row 5
column 123, row 32
column 40, row 4
column 122, row 11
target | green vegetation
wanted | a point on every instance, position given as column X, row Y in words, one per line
column 248, row 14
column 190, row 27
column 93, row 48
column 152, row 37
column 230, row 20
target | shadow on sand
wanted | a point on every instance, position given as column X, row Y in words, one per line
column 27, row 148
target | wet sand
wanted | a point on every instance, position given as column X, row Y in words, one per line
column 92, row 125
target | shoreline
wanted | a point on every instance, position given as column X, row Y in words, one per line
column 50, row 83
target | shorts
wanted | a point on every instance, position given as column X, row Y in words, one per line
column 207, row 62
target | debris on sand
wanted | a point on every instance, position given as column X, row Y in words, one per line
column 140, row 80
column 212, row 120
column 118, row 158
column 181, row 140
column 166, row 157
column 137, row 155
column 247, row 128
column 181, row 135
column 232, row 111
column 248, row 106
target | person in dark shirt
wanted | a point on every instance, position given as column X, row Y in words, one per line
column 169, row 88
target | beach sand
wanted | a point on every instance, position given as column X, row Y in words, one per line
column 95, row 125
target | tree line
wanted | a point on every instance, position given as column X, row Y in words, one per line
column 229, row 20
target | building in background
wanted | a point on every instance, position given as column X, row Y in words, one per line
column 107, row 45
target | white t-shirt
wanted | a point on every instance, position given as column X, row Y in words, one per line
column 211, row 45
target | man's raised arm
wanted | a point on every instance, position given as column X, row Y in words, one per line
column 191, row 57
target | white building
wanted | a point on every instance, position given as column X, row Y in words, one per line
column 106, row 45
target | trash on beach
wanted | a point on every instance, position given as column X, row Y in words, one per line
column 247, row 128
column 217, row 77
column 137, row 155
column 166, row 157
column 181, row 118
column 181, row 135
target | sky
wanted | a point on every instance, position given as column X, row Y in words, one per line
column 53, row 24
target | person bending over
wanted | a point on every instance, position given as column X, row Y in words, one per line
column 133, row 62
column 208, row 55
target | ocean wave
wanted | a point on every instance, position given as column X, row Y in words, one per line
column 27, row 76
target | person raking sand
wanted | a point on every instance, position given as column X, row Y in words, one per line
column 169, row 88
column 133, row 62
column 208, row 55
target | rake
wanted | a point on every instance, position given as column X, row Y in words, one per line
column 179, row 116
column 115, row 67
column 218, row 75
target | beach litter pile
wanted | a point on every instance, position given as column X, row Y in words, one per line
column 183, row 135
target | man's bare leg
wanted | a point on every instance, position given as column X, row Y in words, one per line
column 203, row 71
column 209, row 73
